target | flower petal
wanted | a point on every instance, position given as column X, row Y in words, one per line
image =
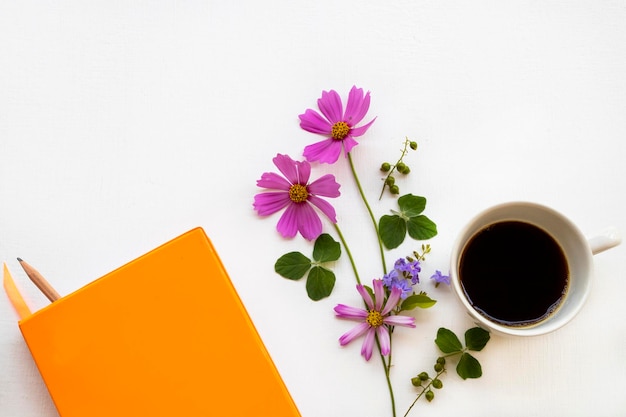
column 392, row 301
column 330, row 106
column 313, row 122
column 324, row 206
column 288, row 223
column 309, row 223
column 269, row 203
column 399, row 320
column 357, row 106
column 384, row 340
column 274, row 181
column 379, row 294
column 287, row 166
column 325, row 186
column 296, row 172
column 326, row 151
column 304, row 172
column 348, row 312
column 368, row 344
column 366, row 296
column 360, row 131
column 353, row 333
column 349, row 143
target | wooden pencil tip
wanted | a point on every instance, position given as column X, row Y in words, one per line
column 20, row 259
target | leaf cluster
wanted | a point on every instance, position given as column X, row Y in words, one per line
column 393, row 228
column 475, row 340
column 467, row 367
column 321, row 280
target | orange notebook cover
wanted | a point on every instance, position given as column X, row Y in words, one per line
column 164, row 335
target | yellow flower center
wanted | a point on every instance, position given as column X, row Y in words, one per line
column 298, row 193
column 340, row 130
column 374, row 318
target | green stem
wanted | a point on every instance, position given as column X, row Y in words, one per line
column 387, row 367
column 345, row 246
column 369, row 210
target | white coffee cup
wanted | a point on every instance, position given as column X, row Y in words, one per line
column 577, row 249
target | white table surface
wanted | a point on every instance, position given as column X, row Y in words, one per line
column 124, row 124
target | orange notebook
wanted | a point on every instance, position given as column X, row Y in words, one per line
column 164, row 335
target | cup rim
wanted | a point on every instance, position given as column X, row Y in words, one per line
column 462, row 238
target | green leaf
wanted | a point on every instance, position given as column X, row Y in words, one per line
column 476, row 338
column 421, row 228
column 392, row 230
column 326, row 249
column 411, row 205
column 417, row 300
column 468, row 367
column 320, row 283
column 292, row 265
column 447, row 341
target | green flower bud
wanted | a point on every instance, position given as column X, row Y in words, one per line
column 423, row 376
column 413, row 145
column 441, row 360
column 406, row 170
column 400, row 166
column 390, row 180
column 394, row 189
column 416, row 381
column 437, row 383
column 429, row 395
column 438, row 367
column 385, row 167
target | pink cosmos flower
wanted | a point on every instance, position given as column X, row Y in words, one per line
column 339, row 126
column 298, row 196
column 375, row 320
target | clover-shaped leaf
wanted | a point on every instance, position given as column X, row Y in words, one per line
column 292, row 265
column 393, row 228
column 326, row 249
column 476, row 338
column 320, row 281
column 421, row 227
column 411, row 205
column 468, row 367
column 447, row 341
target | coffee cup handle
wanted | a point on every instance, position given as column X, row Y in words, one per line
column 607, row 239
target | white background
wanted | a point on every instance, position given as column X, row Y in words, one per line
column 124, row 124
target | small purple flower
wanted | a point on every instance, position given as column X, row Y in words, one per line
column 395, row 280
column 440, row 278
column 298, row 196
column 409, row 269
column 339, row 126
column 403, row 276
column 390, row 278
column 375, row 320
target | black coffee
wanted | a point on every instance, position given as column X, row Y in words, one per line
column 514, row 273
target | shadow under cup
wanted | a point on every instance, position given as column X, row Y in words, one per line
column 573, row 244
